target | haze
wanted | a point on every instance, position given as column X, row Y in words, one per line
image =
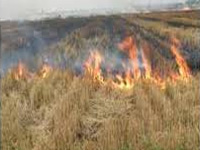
column 23, row 9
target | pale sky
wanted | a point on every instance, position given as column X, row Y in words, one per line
column 22, row 9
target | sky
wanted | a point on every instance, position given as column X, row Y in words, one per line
column 22, row 9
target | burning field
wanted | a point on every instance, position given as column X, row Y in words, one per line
column 134, row 66
column 120, row 82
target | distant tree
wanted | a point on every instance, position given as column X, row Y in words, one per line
column 193, row 2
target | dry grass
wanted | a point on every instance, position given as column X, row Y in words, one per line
column 64, row 112
column 188, row 36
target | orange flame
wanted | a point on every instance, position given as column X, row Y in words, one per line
column 93, row 65
column 45, row 70
column 146, row 62
column 129, row 45
column 21, row 72
column 133, row 73
column 124, row 83
column 184, row 70
column 137, row 68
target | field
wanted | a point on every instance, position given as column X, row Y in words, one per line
column 63, row 107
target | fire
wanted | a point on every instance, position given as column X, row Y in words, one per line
column 135, row 72
column 129, row 46
column 20, row 72
column 93, row 65
column 45, row 70
column 184, row 70
column 124, row 83
column 139, row 67
column 135, row 65
column 146, row 62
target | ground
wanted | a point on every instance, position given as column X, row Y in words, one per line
column 69, row 111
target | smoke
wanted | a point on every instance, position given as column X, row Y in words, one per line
column 28, row 53
column 25, row 9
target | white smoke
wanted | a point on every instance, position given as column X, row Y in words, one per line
column 23, row 9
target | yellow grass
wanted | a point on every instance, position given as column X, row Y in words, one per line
column 64, row 112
